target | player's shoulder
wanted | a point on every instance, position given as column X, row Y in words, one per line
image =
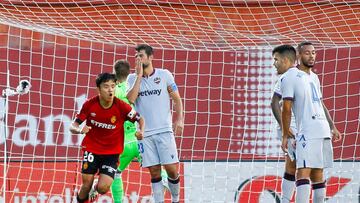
column 162, row 71
column 121, row 86
column 93, row 100
column 280, row 78
column 131, row 76
column 117, row 101
column 314, row 76
column 291, row 73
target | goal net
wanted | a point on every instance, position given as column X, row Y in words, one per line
column 220, row 54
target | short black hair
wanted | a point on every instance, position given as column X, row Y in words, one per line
column 301, row 44
column 148, row 49
column 104, row 77
column 121, row 68
column 286, row 50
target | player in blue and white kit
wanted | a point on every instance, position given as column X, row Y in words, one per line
column 307, row 57
column 284, row 58
column 150, row 90
column 313, row 140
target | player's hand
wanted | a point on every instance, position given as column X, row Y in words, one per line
column 139, row 67
column 284, row 144
column 139, row 135
column 178, row 127
column 85, row 129
column 336, row 134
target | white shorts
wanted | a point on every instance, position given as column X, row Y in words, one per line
column 314, row 153
column 291, row 144
column 158, row 149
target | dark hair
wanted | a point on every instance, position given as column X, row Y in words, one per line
column 148, row 49
column 121, row 68
column 104, row 77
column 286, row 50
column 301, row 44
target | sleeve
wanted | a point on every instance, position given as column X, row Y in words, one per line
column 287, row 87
column 170, row 82
column 81, row 117
column 129, row 113
column 130, row 81
column 277, row 88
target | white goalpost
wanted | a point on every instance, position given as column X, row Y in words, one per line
column 220, row 54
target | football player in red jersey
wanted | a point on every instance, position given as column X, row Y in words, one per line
column 104, row 136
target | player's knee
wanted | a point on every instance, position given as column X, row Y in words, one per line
column 86, row 187
column 155, row 171
column 290, row 170
column 172, row 172
column 102, row 189
column 174, row 175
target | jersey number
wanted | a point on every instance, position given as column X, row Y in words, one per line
column 141, row 147
column 314, row 93
column 88, row 157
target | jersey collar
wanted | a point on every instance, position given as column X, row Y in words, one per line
column 151, row 74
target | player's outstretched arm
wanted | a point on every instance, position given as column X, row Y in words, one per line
column 336, row 134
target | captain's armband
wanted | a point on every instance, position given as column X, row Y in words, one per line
column 172, row 88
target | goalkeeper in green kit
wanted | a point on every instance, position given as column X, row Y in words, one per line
column 131, row 151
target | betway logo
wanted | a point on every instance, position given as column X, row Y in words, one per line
column 102, row 125
column 150, row 92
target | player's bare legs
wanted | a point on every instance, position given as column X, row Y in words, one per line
column 101, row 187
column 83, row 194
column 288, row 181
column 318, row 185
column 104, row 184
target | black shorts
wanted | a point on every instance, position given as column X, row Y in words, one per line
column 104, row 164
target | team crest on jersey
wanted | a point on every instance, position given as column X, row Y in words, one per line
column 85, row 166
column 113, row 119
column 93, row 114
column 157, row 80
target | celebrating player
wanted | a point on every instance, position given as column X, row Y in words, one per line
column 122, row 70
column 307, row 57
column 284, row 58
column 150, row 90
column 103, row 143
